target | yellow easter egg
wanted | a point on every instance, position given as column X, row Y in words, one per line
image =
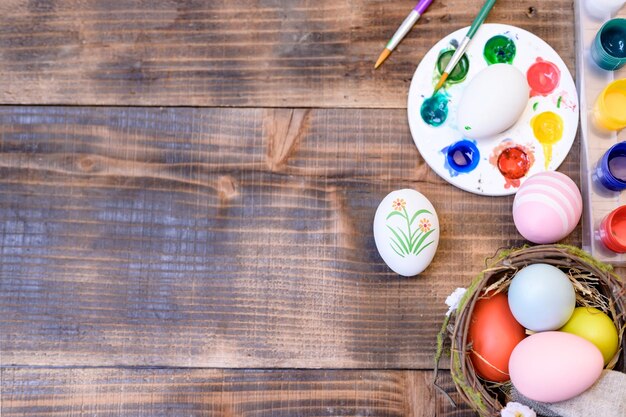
column 595, row 326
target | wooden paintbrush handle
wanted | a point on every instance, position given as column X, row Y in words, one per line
column 482, row 15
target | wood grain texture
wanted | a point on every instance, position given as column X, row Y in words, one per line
column 271, row 53
column 223, row 238
column 222, row 393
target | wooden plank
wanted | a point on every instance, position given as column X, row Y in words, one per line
column 222, row 393
column 275, row 53
column 222, row 238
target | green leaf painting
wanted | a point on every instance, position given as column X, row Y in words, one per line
column 411, row 239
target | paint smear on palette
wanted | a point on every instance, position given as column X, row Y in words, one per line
column 499, row 50
column 543, row 77
column 562, row 101
column 461, row 157
column 434, row 110
column 548, row 129
column 513, row 161
column 458, row 74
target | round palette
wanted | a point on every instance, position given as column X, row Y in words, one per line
column 498, row 164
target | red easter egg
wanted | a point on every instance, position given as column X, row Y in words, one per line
column 493, row 334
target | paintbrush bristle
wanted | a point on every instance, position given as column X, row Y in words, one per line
column 383, row 55
column 442, row 80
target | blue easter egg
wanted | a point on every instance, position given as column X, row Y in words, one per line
column 541, row 297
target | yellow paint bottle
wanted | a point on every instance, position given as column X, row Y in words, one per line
column 609, row 111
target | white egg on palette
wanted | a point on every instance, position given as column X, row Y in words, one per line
column 406, row 231
column 485, row 111
column 547, row 207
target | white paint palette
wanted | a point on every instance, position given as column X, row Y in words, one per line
column 499, row 164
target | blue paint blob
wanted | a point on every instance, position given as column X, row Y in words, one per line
column 462, row 157
column 434, row 110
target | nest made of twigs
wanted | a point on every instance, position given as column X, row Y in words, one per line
column 596, row 286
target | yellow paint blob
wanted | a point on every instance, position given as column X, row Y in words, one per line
column 548, row 129
column 615, row 102
column 610, row 109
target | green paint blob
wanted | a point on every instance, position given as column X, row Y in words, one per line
column 535, row 106
column 558, row 102
column 459, row 72
column 434, row 110
column 499, row 50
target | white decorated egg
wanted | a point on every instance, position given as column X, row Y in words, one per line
column 406, row 231
column 493, row 101
column 547, row 207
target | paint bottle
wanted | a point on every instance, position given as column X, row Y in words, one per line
column 611, row 168
column 608, row 48
column 601, row 9
column 612, row 230
column 609, row 110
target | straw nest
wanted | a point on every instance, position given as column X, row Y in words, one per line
column 596, row 286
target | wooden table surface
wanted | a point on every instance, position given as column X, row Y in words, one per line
column 187, row 191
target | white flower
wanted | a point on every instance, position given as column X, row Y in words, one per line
column 453, row 299
column 513, row 409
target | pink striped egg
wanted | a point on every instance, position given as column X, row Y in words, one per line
column 547, row 207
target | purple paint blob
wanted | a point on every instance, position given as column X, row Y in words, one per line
column 617, row 166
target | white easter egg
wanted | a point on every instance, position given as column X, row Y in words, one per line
column 406, row 231
column 547, row 207
column 493, row 101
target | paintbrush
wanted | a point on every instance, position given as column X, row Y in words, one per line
column 484, row 11
column 404, row 28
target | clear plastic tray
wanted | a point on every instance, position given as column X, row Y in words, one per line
column 591, row 80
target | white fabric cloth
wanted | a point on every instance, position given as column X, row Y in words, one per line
column 605, row 398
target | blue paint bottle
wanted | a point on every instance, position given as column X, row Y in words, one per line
column 611, row 168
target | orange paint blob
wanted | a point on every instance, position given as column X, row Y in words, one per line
column 513, row 163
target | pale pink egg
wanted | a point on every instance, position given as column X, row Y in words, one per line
column 554, row 366
column 547, row 207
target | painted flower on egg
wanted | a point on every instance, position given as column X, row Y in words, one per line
column 399, row 204
column 405, row 240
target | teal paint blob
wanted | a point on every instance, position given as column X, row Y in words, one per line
column 614, row 41
column 434, row 110
column 608, row 49
column 499, row 50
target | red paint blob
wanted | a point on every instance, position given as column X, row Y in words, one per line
column 513, row 163
column 543, row 77
column 613, row 230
